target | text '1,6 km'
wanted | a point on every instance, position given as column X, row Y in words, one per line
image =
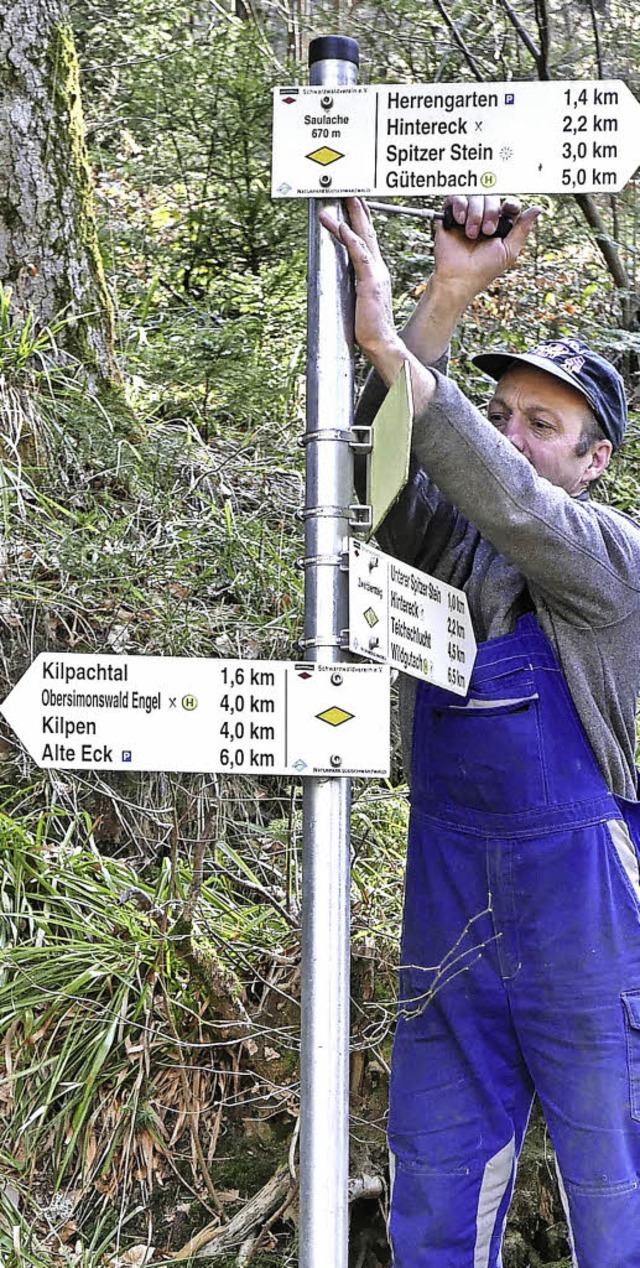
column 418, row 139
column 234, row 716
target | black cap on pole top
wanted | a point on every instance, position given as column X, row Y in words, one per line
column 338, row 48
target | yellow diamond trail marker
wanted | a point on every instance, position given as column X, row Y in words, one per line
column 334, row 716
column 324, row 156
column 425, row 628
column 412, row 140
column 102, row 712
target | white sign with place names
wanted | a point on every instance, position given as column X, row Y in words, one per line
column 147, row 713
column 409, row 140
column 409, row 620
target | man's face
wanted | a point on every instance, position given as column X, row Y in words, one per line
column 544, row 418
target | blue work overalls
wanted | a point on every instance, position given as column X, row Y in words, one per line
column 520, row 970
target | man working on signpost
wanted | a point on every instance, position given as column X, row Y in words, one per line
column 521, row 938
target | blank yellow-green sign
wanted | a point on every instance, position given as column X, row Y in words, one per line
column 389, row 463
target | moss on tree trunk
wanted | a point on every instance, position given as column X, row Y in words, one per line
column 49, row 250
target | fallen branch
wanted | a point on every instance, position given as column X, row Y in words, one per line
column 366, row 1188
column 214, row 1241
column 244, row 1230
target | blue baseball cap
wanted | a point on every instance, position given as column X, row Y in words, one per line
column 575, row 363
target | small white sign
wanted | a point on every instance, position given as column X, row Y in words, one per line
column 322, row 139
column 85, row 712
column 409, row 620
column 410, row 140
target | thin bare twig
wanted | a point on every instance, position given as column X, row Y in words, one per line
column 611, row 256
column 466, row 53
column 254, row 888
column 521, row 31
column 543, row 23
column 209, row 831
column 596, row 39
column 193, row 1119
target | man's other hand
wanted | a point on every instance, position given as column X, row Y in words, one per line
column 469, row 259
column 375, row 328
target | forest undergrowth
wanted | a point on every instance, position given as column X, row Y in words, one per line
column 149, row 944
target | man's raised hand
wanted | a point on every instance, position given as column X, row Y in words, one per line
column 375, row 328
column 466, row 262
column 470, row 259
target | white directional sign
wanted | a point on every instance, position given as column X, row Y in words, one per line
column 419, row 139
column 409, row 620
column 164, row 713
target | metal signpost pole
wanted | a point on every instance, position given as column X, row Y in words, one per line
column 324, row 1130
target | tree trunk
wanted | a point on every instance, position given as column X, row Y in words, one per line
column 49, row 250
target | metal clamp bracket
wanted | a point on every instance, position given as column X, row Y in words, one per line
column 359, row 517
column 360, row 439
column 340, row 641
column 312, row 561
column 322, row 512
column 324, row 433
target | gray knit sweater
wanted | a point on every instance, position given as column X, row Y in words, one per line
column 477, row 515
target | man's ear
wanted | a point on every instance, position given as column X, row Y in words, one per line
column 600, row 455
